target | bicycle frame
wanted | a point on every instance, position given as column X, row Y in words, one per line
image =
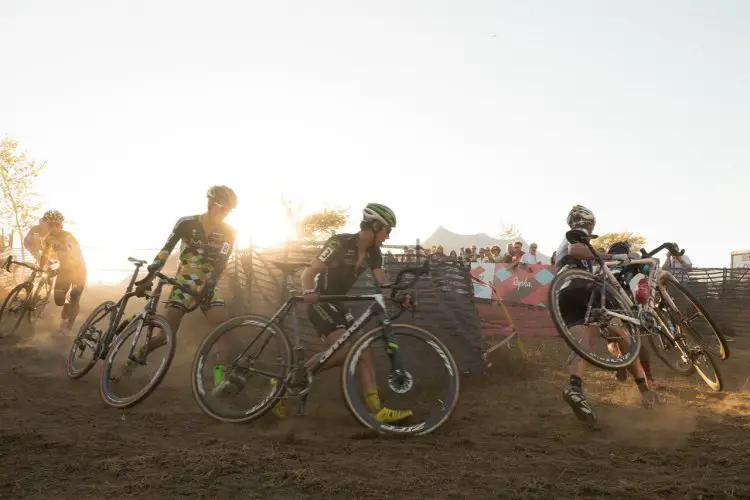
column 654, row 282
column 148, row 309
column 377, row 307
column 608, row 277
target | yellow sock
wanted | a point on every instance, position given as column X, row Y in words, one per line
column 372, row 400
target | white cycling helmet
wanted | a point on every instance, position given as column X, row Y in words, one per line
column 380, row 213
column 52, row 217
column 581, row 217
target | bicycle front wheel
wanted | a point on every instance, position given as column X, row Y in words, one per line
column 89, row 341
column 666, row 348
column 253, row 358
column 416, row 367
column 569, row 302
column 133, row 371
column 14, row 309
column 690, row 311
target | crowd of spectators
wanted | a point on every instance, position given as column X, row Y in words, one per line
column 513, row 254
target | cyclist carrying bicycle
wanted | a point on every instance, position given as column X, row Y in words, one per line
column 573, row 303
column 623, row 247
column 207, row 242
column 71, row 275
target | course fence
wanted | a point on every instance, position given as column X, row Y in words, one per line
column 449, row 303
column 444, row 299
column 725, row 293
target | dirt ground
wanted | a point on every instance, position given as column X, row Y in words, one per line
column 511, row 437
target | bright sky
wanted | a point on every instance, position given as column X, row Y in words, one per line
column 461, row 114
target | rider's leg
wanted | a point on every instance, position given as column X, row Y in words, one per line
column 573, row 304
column 63, row 284
column 74, row 305
column 648, row 396
column 330, row 318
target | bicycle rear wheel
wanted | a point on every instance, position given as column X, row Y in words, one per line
column 14, row 309
column 417, row 377
column 266, row 366
column 579, row 296
column 89, row 340
column 112, row 385
column 709, row 337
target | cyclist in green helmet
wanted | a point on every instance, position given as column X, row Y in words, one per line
column 337, row 268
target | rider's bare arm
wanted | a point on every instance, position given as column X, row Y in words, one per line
column 310, row 273
column 379, row 275
column 45, row 257
column 33, row 244
column 581, row 252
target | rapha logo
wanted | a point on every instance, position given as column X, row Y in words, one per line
column 521, row 284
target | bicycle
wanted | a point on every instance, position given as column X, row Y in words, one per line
column 24, row 301
column 510, row 325
column 105, row 342
column 292, row 378
column 648, row 314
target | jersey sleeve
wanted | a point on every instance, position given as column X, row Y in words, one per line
column 174, row 238
column 329, row 250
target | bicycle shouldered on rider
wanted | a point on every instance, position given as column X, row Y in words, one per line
column 573, row 305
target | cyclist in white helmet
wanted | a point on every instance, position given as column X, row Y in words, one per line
column 337, row 267
column 573, row 302
column 47, row 238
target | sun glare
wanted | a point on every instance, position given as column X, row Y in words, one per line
column 261, row 229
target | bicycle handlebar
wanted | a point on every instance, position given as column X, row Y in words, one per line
column 9, row 261
column 673, row 248
column 416, row 272
column 168, row 280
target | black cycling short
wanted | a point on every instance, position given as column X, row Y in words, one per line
column 327, row 317
column 71, row 280
column 574, row 300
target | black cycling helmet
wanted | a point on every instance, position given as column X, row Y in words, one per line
column 619, row 248
column 222, row 196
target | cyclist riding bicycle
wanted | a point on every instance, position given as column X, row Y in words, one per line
column 41, row 241
column 336, row 269
column 573, row 303
column 207, row 242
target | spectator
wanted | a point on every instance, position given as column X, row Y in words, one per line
column 438, row 255
column 679, row 266
column 530, row 258
column 483, row 257
column 495, row 254
column 468, row 257
column 453, row 257
column 508, row 259
column 553, row 259
column 517, row 252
